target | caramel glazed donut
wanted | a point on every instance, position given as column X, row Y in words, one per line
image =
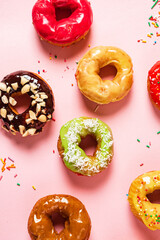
column 77, row 224
column 104, row 91
column 142, row 208
column 31, row 121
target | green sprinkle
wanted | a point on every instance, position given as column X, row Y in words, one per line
column 55, row 56
column 158, row 132
column 150, row 215
column 157, row 220
column 156, row 215
column 151, row 33
column 157, row 24
column 138, row 140
column 76, row 62
column 150, row 17
column 145, row 214
column 154, row 4
column 149, row 24
column 18, row 184
column 147, row 146
column 127, row 194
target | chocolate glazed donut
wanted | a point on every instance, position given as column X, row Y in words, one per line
column 31, row 121
column 77, row 224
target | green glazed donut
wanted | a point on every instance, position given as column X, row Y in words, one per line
column 74, row 157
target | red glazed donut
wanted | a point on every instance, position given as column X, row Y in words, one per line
column 63, row 32
column 154, row 84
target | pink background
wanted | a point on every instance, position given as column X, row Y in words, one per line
column 116, row 23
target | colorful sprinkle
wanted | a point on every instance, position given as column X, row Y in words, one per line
column 55, row 56
column 141, row 164
column 147, row 146
column 138, row 140
column 1, row 178
column 53, row 151
column 18, row 184
column 10, row 159
column 154, row 4
column 15, row 175
column 34, row 187
column 158, row 132
column 127, row 194
column 38, row 71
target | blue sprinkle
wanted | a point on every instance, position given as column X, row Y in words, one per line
column 127, row 194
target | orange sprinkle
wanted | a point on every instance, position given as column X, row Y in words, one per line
column 148, row 35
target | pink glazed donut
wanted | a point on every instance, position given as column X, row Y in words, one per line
column 62, row 22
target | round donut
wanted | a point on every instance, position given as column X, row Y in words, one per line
column 67, row 30
column 153, row 84
column 32, row 120
column 77, row 220
column 74, row 157
column 142, row 208
column 91, row 84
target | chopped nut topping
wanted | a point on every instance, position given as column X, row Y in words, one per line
column 33, row 102
column 32, row 115
column 10, row 117
column 8, row 89
column 12, row 101
column 5, row 128
column 4, row 99
column 30, row 131
column 3, row 112
column 24, row 80
column 14, row 86
column 12, row 128
column 42, row 118
column 29, row 120
column 33, row 86
column 21, row 129
column 25, row 89
column 44, row 96
column 3, row 87
column 39, row 100
column 42, row 104
column 38, row 108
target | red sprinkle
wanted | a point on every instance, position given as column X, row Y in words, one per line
column 53, row 151
column 141, row 164
column 53, row 119
column 1, row 178
column 15, row 175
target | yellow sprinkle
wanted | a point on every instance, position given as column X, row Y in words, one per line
column 89, row 45
column 2, row 161
column 148, row 35
column 34, row 187
column 144, row 41
column 50, row 58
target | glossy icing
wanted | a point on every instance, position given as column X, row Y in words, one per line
column 104, row 91
column 154, row 84
column 66, row 30
column 41, row 106
column 74, row 157
column 77, row 224
column 142, row 208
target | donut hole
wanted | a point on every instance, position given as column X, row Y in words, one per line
column 154, row 197
column 58, row 221
column 23, row 103
column 108, row 72
column 63, row 12
column 88, row 144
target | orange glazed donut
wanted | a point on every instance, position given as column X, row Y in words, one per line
column 104, row 91
column 77, row 224
column 142, row 208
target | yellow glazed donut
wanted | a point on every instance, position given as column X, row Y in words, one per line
column 142, row 208
column 104, row 91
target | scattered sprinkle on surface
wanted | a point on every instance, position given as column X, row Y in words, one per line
column 138, row 140
column 18, row 184
column 158, row 132
column 141, row 164
column 147, row 146
column 127, row 194
column 34, row 187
